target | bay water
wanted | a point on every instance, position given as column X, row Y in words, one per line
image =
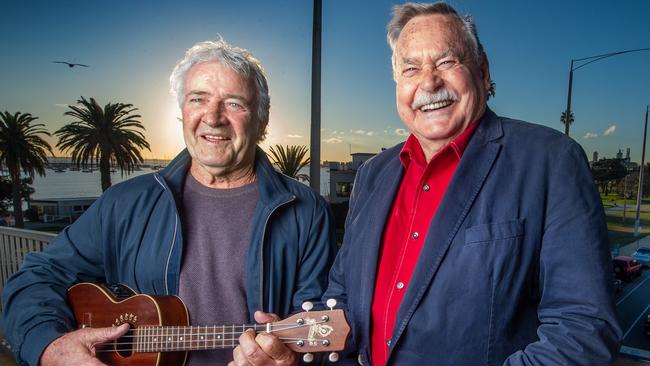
column 73, row 184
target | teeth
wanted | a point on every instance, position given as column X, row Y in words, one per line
column 436, row 105
column 214, row 138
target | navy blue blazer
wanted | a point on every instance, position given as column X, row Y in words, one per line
column 515, row 269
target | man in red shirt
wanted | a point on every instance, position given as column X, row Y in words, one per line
column 481, row 240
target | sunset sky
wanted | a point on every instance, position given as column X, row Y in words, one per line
column 132, row 46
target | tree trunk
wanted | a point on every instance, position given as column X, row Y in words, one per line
column 105, row 170
column 15, row 195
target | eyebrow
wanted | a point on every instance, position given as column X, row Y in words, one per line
column 233, row 96
column 416, row 60
column 195, row 92
column 237, row 96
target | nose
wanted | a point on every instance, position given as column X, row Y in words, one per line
column 430, row 79
column 213, row 114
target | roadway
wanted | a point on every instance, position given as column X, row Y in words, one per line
column 632, row 307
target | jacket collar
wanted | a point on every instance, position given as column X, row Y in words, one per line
column 272, row 189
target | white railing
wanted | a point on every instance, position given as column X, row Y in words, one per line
column 14, row 245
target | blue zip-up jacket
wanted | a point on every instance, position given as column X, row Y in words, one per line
column 132, row 235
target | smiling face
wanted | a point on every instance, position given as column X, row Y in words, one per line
column 220, row 123
column 440, row 89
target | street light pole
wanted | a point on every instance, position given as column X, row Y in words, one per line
column 589, row 60
column 637, row 222
column 567, row 116
column 314, row 150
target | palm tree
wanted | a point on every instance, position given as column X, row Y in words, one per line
column 492, row 90
column 563, row 119
column 103, row 135
column 22, row 148
column 290, row 160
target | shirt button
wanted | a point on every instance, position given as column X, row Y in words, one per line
column 388, row 343
column 426, row 187
column 400, row 285
column 415, row 235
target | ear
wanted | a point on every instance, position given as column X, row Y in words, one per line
column 262, row 131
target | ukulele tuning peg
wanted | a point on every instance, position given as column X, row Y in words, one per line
column 307, row 305
column 308, row 357
column 331, row 303
column 333, row 357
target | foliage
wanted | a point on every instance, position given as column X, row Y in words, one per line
column 22, row 148
column 31, row 214
column 492, row 91
column 563, row 118
column 290, row 160
column 108, row 135
column 5, row 196
column 607, row 170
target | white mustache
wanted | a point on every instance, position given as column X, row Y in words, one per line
column 423, row 98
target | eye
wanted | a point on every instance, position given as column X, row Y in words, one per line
column 409, row 71
column 234, row 106
column 446, row 64
column 195, row 100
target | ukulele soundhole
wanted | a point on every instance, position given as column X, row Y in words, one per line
column 124, row 345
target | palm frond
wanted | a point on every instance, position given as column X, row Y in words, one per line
column 107, row 135
column 290, row 159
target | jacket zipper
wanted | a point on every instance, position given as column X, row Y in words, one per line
column 171, row 247
column 262, row 247
column 169, row 256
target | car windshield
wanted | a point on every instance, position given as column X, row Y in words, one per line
column 643, row 250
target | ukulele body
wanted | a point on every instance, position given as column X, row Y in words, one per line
column 96, row 306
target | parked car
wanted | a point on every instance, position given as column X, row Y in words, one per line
column 626, row 268
column 642, row 255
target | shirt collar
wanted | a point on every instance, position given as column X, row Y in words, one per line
column 412, row 150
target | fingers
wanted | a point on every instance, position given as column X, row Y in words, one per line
column 262, row 317
column 273, row 347
column 246, row 344
column 75, row 348
column 263, row 349
column 99, row 335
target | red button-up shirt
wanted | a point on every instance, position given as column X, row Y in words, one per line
column 418, row 197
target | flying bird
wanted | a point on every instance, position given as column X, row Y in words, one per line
column 70, row 65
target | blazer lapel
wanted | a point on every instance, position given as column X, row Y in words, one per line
column 468, row 179
column 373, row 219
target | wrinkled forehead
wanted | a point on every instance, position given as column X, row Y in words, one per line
column 432, row 34
column 215, row 72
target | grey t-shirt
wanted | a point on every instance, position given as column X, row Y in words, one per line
column 216, row 232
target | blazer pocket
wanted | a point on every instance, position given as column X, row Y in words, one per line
column 492, row 232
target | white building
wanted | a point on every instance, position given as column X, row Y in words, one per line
column 342, row 179
column 61, row 209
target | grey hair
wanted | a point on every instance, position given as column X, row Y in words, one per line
column 402, row 14
column 238, row 59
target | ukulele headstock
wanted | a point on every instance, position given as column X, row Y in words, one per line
column 314, row 331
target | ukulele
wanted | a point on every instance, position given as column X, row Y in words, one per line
column 160, row 333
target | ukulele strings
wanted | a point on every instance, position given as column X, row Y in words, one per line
column 108, row 347
column 137, row 339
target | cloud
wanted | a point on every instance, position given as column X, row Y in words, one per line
column 610, row 130
column 360, row 132
column 333, row 140
column 294, row 136
column 61, row 105
column 370, row 133
column 401, row 132
column 589, row 135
